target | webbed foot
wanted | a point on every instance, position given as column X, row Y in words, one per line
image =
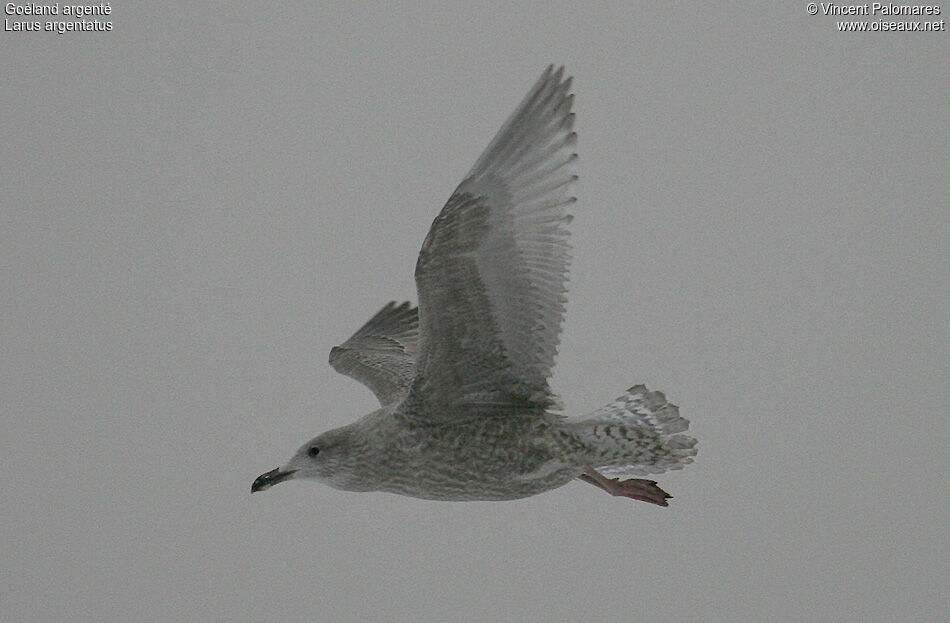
column 633, row 488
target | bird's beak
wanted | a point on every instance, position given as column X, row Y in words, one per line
column 271, row 478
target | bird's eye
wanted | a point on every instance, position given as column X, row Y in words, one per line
column 313, row 451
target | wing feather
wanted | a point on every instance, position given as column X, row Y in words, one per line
column 491, row 273
column 382, row 353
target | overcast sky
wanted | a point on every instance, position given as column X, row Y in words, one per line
column 198, row 204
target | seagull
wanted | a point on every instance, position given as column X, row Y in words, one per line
column 466, row 411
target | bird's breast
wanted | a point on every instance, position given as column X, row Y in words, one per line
column 480, row 460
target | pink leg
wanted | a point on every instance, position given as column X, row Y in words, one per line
column 634, row 488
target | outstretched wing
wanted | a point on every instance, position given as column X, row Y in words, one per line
column 491, row 273
column 382, row 354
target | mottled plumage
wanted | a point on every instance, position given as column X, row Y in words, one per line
column 466, row 411
column 382, row 354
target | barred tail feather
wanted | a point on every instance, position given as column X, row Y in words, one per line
column 639, row 433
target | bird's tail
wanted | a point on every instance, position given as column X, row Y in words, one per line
column 638, row 433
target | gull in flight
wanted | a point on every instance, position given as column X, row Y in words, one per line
column 466, row 412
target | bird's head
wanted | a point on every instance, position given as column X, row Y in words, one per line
column 328, row 458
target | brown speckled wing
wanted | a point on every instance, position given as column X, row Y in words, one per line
column 491, row 273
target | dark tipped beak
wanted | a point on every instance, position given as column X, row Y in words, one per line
column 271, row 478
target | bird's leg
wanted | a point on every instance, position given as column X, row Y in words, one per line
column 634, row 488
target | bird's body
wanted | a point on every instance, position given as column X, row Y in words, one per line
column 466, row 409
column 472, row 459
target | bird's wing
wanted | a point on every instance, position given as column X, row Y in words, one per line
column 382, row 354
column 491, row 273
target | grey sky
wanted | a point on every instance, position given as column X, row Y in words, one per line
column 198, row 204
